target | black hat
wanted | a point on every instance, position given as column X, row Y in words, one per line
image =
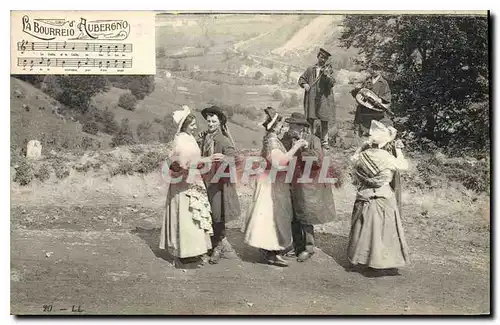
column 297, row 118
column 215, row 110
column 324, row 52
column 271, row 117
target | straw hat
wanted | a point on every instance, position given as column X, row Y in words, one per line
column 180, row 116
column 381, row 134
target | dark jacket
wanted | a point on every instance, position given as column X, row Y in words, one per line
column 313, row 203
column 364, row 116
column 222, row 195
column 319, row 100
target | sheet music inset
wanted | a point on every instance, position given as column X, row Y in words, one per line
column 83, row 42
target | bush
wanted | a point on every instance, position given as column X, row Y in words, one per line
column 258, row 75
column 275, row 79
column 76, row 91
column 124, row 136
column 141, row 86
column 43, row 172
column 109, row 123
column 149, row 162
column 24, row 172
column 144, row 132
column 89, row 144
column 127, row 101
column 90, row 127
column 124, row 167
column 61, row 169
column 294, row 100
column 277, row 95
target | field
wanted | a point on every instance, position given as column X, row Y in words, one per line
column 95, row 213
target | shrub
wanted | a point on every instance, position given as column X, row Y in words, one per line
column 43, row 172
column 149, row 162
column 275, row 78
column 124, row 136
column 109, row 123
column 124, row 167
column 294, row 100
column 277, row 95
column 76, row 91
column 24, row 172
column 144, row 132
column 90, row 127
column 89, row 144
column 141, row 86
column 127, row 101
column 61, row 169
column 258, row 75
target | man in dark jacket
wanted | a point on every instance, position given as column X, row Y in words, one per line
column 221, row 194
column 313, row 203
column 364, row 115
column 318, row 96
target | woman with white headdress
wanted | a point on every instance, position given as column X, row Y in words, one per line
column 377, row 238
column 269, row 221
column 187, row 224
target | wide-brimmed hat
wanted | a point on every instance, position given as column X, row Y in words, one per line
column 271, row 117
column 324, row 52
column 381, row 134
column 180, row 116
column 216, row 111
column 297, row 118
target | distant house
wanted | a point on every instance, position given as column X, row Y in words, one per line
column 243, row 71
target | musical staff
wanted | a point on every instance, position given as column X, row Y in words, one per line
column 75, row 63
column 74, row 46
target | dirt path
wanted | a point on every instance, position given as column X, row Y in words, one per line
column 107, row 265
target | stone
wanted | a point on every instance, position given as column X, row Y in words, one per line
column 34, row 150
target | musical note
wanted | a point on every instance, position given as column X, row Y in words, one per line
column 79, row 64
column 64, row 46
column 109, row 48
column 48, row 44
column 24, row 63
column 87, row 47
column 100, row 48
column 116, row 63
column 48, row 62
column 107, row 64
column 100, row 64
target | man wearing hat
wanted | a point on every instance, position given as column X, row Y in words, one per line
column 380, row 87
column 312, row 202
column 318, row 81
column 222, row 194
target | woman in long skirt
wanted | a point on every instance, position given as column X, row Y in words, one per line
column 269, row 221
column 187, row 225
column 377, row 238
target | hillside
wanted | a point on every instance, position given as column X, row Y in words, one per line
column 33, row 117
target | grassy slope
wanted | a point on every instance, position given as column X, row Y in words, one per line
column 40, row 124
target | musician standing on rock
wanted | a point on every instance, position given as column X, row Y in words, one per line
column 364, row 115
column 318, row 82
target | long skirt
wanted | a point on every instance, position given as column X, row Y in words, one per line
column 269, row 219
column 377, row 238
column 186, row 226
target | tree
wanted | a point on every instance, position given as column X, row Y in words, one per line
column 258, row 75
column 109, row 122
column 177, row 65
column 275, row 78
column 144, row 132
column 142, row 85
column 124, row 136
column 127, row 101
column 78, row 90
column 438, row 71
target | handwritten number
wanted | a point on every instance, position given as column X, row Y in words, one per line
column 47, row 308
